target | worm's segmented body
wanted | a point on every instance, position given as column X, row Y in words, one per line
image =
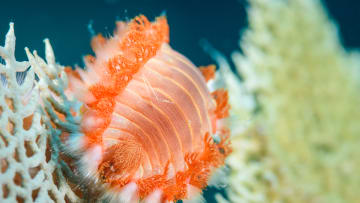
column 148, row 116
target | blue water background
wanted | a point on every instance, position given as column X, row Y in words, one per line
column 66, row 22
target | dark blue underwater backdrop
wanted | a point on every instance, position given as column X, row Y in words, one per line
column 66, row 22
column 220, row 22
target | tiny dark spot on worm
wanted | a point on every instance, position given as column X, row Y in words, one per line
column 221, row 150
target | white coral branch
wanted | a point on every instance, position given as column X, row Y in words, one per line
column 26, row 173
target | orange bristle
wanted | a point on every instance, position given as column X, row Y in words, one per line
column 222, row 105
column 122, row 159
column 208, row 72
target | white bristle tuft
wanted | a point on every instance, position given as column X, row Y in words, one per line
column 154, row 197
column 91, row 122
column 194, row 195
column 90, row 161
column 199, row 198
column 75, row 143
column 219, row 178
column 127, row 194
column 171, row 171
column 211, row 84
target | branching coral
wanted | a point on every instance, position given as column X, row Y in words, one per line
column 30, row 170
column 307, row 91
